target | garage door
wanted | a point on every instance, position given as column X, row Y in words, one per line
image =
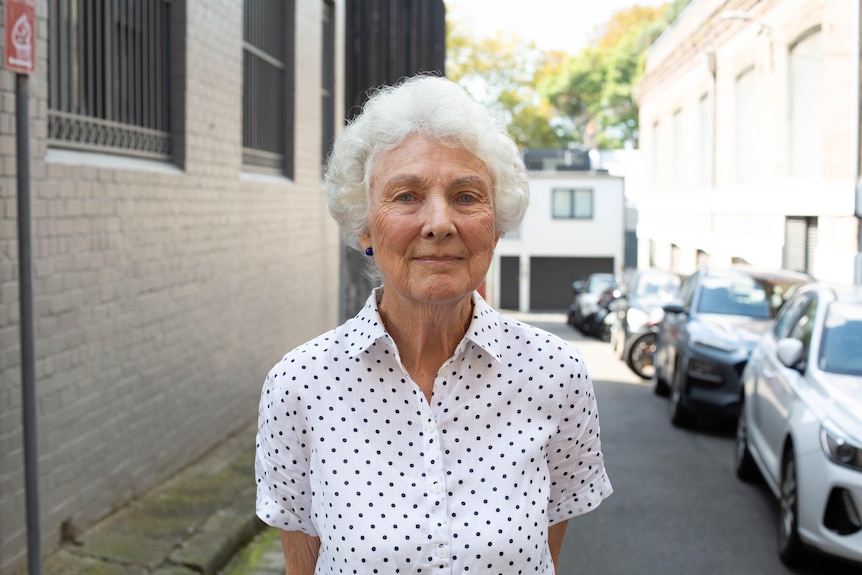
column 551, row 279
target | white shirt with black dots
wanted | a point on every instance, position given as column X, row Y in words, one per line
column 349, row 450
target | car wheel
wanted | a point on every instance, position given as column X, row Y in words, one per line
column 790, row 547
column 680, row 416
column 641, row 356
column 746, row 468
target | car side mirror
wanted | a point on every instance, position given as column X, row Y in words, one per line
column 674, row 306
column 578, row 287
column 791, row 353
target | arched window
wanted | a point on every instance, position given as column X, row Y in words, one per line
column 806, row 106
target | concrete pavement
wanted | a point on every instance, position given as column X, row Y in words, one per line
column 194, row 523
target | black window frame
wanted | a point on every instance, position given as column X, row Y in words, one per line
column 269, row 81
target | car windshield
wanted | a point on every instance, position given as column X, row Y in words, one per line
column 841, row 343
column 658, row 288
column 737, row 295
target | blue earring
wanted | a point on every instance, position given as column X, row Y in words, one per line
column 369, row 251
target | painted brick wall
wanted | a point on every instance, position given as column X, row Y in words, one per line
column 746, row 219
column 162, row 295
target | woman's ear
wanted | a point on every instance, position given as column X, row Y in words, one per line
column 364, row 241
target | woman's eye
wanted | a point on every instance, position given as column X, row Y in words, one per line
column 466, row 198
column 405, row 197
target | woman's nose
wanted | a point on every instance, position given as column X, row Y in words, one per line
column 439, row 218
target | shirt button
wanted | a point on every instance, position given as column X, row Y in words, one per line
column 441, row 552
column 437, row 488
column 429, row 427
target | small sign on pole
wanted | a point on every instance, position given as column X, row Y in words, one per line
column 20, row 52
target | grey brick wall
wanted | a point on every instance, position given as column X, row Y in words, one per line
column 162, row 295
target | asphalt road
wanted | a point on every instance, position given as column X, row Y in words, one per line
column 677, row 505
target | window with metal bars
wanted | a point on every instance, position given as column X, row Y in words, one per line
column 268, row 86
column 109, row 76
column 800, row 243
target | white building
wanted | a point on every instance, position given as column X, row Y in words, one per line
column 749, row 115
column 574, row 226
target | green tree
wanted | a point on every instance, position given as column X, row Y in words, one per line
column 502, row 72
column 552, row 99
column 594, row 88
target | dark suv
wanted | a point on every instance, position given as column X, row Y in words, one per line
column 708, row 332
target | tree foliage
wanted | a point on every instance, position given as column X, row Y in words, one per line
column 552, row 99
column 594, row 89
column 502, row 73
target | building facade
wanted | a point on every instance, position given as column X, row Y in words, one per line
column 574, row 226
column 749, row 118
column 181, row 242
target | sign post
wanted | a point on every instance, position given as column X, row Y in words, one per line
column 19, row 56
column 20, row 52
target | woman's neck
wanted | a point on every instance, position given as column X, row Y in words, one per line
column 425, row 335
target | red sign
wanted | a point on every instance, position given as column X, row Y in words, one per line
column 20, row 54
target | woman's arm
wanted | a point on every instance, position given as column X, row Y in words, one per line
column 300, row 552
column 556, row 533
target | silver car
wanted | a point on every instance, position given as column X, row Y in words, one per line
column 800, row 424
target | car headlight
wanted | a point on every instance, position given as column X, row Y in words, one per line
column 839, row 449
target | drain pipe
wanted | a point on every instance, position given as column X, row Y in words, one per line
column 25, row 290
column 857, row 267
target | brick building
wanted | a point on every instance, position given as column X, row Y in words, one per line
column 749, row 115
column 181, row 241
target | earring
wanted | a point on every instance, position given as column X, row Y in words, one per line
column 369, row 251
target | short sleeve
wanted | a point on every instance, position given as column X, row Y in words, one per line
column 576, row 463
column 282, row 456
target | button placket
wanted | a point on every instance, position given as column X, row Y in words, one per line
column 438, row 520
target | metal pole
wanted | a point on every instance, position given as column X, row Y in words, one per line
column 857, row 262
column 25, row 290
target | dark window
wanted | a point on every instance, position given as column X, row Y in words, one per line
column 109, row 76
column 572, row 203
column 800, row 243
column 268, row 85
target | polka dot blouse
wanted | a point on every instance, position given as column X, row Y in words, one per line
column 349, row 450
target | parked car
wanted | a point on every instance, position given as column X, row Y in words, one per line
column 800, row 425
column 707, row 334
column 586, row 302
column 636, row 314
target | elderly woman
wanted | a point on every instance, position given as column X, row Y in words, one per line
column 428, row 434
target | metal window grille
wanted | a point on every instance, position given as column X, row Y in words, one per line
column 109, row 72
column 265, row 132
column 800, row 243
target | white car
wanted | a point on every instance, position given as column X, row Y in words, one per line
column 800, row 425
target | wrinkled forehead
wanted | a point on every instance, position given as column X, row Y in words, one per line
column 418, row 155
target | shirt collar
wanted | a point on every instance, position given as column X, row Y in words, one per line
column 367, row 327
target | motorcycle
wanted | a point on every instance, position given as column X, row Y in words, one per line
column 598, row 324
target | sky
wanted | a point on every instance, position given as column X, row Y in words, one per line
column 553, row 24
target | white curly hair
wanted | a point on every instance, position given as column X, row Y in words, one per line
column 436, row 107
